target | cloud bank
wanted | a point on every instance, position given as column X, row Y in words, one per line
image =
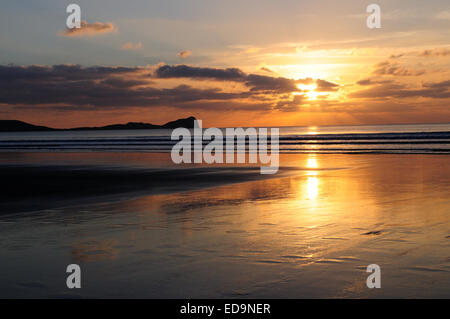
column 69, row 87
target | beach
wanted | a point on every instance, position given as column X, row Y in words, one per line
column 149, row 229
column 219, row 155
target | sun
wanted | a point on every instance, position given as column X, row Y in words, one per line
column 310, row 91
column 314, row 95
column 306, row 87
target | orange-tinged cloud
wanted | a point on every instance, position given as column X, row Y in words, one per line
column 90, row 29
column 388, row 68
column 131, row 46
column 184, row 54
column 435, row 52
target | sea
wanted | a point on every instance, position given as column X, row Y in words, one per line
column 411, row 139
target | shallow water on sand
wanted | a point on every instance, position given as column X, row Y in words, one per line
column 311, row 234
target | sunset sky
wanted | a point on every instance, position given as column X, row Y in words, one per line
column 228, row 63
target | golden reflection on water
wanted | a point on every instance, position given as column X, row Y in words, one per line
column 325, row 218
column 312, row 182
column 309, row 234
column 312, row 162
column 312, row 187
column 312, row 130
column 321, row 193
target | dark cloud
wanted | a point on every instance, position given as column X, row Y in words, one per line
column 291, row 105
column 255, row 82
column 372, row 82
column 68, row 72
column 270, row 84
column 435, row 52
column 266, row 70
column 440, row 90
column 185, row 71
column 73, row 87
column 124, row 83
column 438, row 85
column 388, row 68
column 69, row 87
column 396, row 56
column 326, row 86
column 93, row 86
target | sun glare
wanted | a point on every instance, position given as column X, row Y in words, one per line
column 309, row 91
column 312, row 188
column 312, row 163
column 307, row 87
column 313, row 95
column 312, row 182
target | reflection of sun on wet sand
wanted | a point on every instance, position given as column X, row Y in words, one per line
column 309, row 233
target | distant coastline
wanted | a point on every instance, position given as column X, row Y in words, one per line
column 19, row 126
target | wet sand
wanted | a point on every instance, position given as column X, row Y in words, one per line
column 34, row 188
column 307, row 234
